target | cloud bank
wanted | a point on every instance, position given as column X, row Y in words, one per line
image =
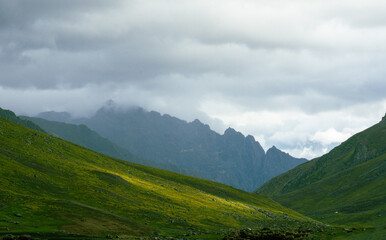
column 301, row 75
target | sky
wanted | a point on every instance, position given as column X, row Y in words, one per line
column 303, row 75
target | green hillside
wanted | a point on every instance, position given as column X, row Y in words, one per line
column 7, row 114
column 84, row 136
column 345, row 186
column 52, row 188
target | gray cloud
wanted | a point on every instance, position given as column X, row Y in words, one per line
column 316, row 59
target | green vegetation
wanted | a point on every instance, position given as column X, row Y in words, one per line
column 7, row 114
column 51, row 188
column 84, row 136
column 345, row 186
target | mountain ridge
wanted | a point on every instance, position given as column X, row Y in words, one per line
column 230, row 158
column 8, row 114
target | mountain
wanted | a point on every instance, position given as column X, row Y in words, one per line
column 346, row 185
column 277, row 162
column 231, row 158
column 7, row 114
column 54, row 189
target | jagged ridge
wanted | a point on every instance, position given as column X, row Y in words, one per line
column 231, row 158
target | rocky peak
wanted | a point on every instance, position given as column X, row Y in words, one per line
column 197, row 122
column 230, row 132
column 250, row 138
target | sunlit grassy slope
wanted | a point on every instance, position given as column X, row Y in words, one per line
column 345, row 186
column 50, row 185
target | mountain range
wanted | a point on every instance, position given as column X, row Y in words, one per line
column 189, row 148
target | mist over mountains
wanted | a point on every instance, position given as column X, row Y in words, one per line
column 220, row 119
column 192, row 147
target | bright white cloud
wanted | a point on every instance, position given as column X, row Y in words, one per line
column 330, row 136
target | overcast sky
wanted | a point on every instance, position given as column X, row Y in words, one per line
column 303, row 75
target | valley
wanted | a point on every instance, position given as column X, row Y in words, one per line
column 54, row 189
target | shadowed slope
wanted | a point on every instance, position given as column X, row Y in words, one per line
column 7, row 114
column 345, row 186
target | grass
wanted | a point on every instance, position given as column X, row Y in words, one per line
column 343, row 187
column 51, row 188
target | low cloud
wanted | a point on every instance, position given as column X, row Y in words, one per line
column 300, row 75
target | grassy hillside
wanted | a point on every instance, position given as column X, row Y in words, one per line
column 53, row 187
column 84, row 136
column 345, row 186
column 7, row 114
